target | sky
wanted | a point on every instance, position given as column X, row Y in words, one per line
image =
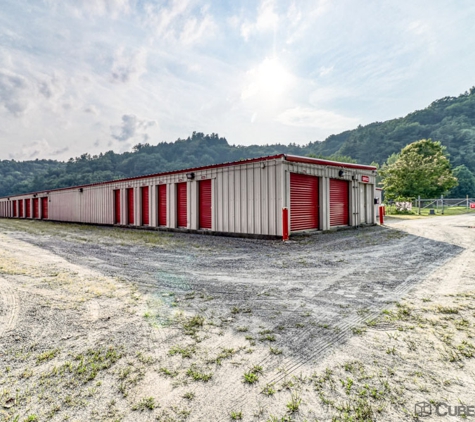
column 89, row 76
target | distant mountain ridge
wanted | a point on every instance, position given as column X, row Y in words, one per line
column 450, row 120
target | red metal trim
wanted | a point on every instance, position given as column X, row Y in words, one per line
column 319, row 161
column 285, row 224
column 290, row 158
column 381, row 215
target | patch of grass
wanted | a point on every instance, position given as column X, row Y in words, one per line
column 275, row 350
column 269, row 390
column 447, row 310
column 167, row 372
column 47, row 355
column 252, row 376
column 224, row 354
column 185, row 352
column 294, row 403
column 189, row 395
column 197, row 375
column 147, row 403
column 358, row 330
column 236, row 416
column 192, row 324
column 242, row 329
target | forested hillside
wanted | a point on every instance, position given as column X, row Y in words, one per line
column 450, row 120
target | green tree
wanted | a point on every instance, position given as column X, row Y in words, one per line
column 422, row 168
column 466, row 180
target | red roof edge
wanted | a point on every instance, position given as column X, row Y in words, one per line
column 292, row 158
column 309, row 160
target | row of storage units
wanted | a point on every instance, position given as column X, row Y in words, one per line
column 268, row 196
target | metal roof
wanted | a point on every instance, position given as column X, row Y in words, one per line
column 286, row 157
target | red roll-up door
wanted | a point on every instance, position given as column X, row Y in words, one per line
column 117, row 206
column 182, row 214
column 36, row 208
column 20, row 208
column 205, row 204
column 162, row 205
column 303, row 202
column 130, row 206
column 145, row 206
column 27, row 208
column 14, row 209
column 339, row 202
column 44, row 208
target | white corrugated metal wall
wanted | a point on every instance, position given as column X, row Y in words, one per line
column 325, row 173
column 247, row 197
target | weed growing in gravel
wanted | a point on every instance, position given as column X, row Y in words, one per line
column 47, row 355
column 252, row 376
column 144, row 404
column 294, row 403
column 189, row 395
column 185, row 352
column 193, row 324
column 275, row 350
column 197, row 375
column 236, row 416
column 269, row 390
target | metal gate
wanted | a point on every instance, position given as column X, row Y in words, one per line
column 303, row 202
column 20, row 208
column 205, row 204
column 130, row 206
column 162, row 205
column 145, row 206
column 339, row 203
column 36, row 208
column 27, row 208
column 44, row 208
column 14, row 209
column 181, row 202
column 117, row 206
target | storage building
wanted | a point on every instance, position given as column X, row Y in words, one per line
column 268, row 196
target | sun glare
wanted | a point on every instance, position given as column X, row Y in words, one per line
column 269, row 78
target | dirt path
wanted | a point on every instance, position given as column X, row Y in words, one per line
column 160, row 323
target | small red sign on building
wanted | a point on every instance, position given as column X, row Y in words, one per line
column 365, row 179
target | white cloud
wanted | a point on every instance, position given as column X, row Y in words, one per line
column 132, row 127
column 37, row 148
column 15, row 90
column 112, row 8
column 183, row 21
column 128, row 66
column 322, row 119
column 267, row 19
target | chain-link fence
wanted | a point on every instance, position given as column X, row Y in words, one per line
column 434, row 206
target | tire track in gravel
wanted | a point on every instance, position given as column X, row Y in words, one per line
column 10, row 307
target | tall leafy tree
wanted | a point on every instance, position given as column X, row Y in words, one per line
column 466, row 183
column 422, row 168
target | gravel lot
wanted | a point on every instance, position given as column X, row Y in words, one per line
column 112, row 324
